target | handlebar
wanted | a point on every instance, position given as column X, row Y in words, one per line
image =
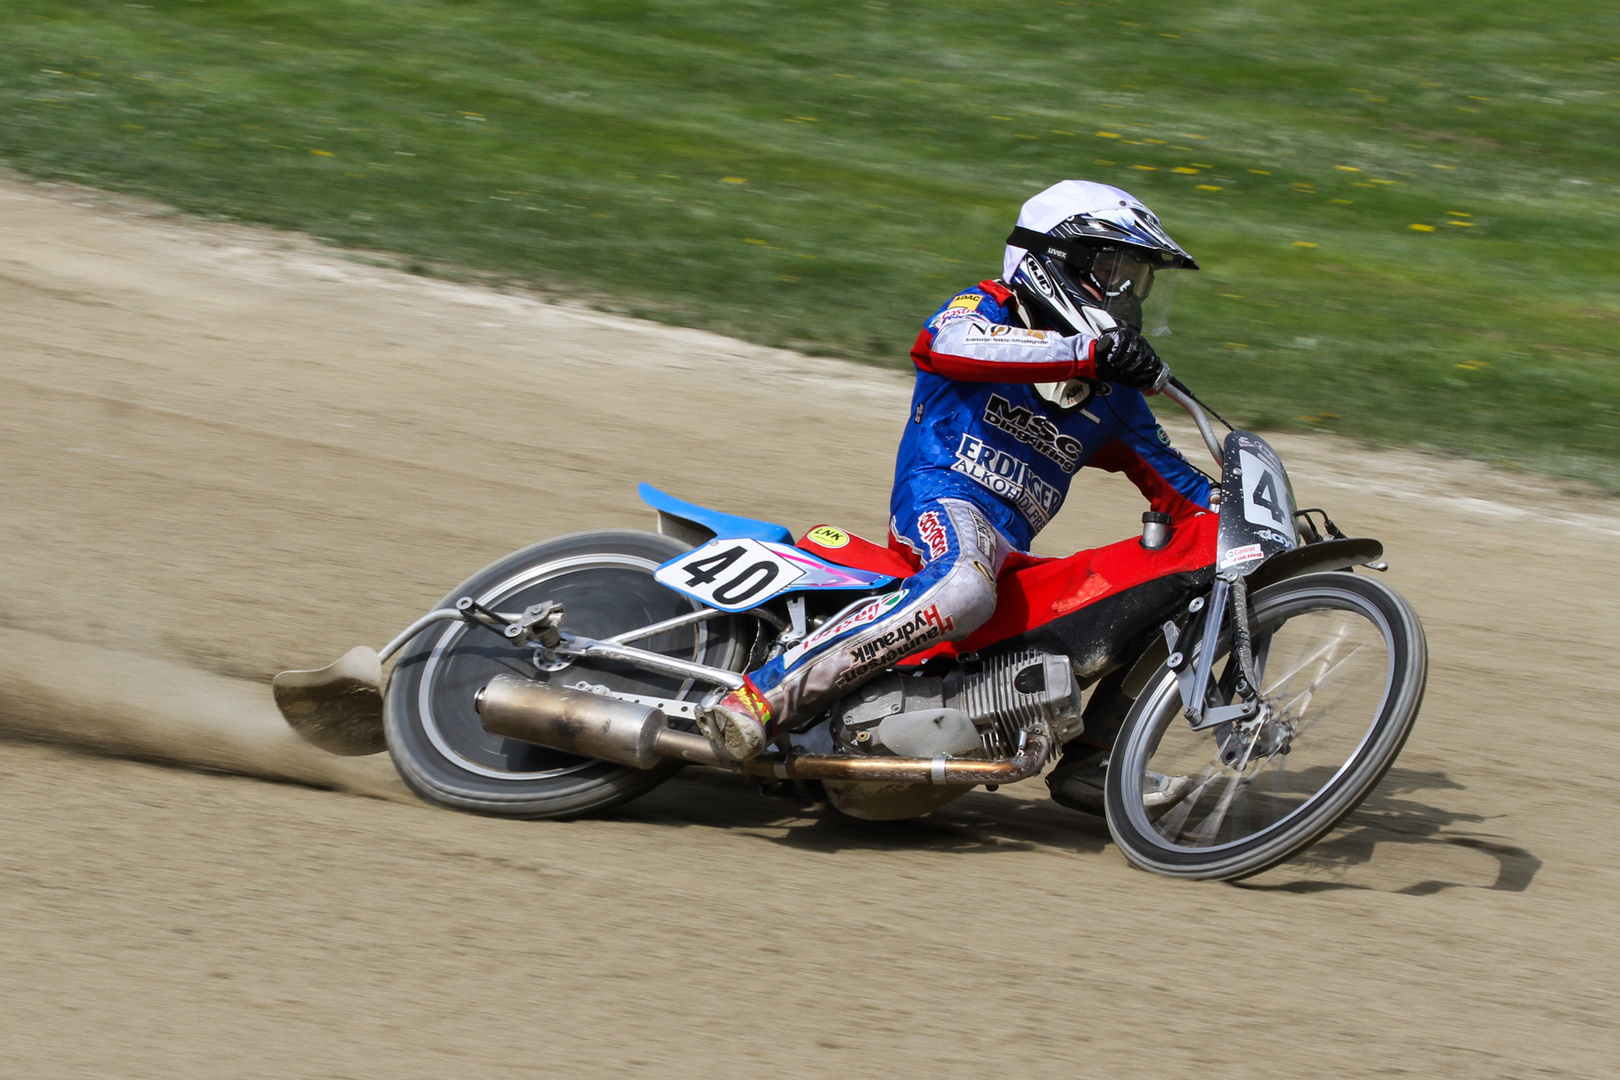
column 1172, row 388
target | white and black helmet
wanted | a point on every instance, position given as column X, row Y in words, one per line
column 1080, row 244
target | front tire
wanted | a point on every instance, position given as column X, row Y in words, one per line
column 604, row 580
column 1343, row 663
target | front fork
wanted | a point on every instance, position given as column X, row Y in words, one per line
column 1194, row 674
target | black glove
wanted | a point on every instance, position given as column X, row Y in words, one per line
column 1124, row 356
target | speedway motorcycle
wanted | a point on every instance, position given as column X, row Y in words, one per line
column 1271, row 685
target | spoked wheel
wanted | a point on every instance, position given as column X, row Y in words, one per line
column 604, row 580
column 1342, row 664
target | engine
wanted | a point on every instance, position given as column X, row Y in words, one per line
column 965, row 713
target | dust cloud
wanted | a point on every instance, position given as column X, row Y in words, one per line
column 95, row 699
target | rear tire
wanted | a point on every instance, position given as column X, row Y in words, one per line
column 1343, row 663
column 604, row 580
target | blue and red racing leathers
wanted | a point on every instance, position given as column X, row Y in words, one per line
column 984, row 464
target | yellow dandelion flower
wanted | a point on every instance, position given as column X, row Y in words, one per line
column 1305, row 243
column 1421, row 228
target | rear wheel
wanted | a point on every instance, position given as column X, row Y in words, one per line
column 1342, row 663
column 604, row 581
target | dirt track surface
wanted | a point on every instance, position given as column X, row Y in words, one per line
column 228, row 452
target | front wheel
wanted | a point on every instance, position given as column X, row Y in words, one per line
column 604, row 581
column 1342, row 664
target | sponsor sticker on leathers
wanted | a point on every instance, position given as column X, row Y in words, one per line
column 923, row 628
column 1034, row 429
column 870, row 611
column 1009, row 335
column 932, row 530
column 1005, row 475
column 948, row 316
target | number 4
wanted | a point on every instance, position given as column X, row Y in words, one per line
column 703, row 571
column 1265, row 494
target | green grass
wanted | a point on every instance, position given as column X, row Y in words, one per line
column 1408, row 219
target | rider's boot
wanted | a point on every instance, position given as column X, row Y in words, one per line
column 1080, row 775
column 740, row 724
column 1078, row 783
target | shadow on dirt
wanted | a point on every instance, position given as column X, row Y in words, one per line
column 978, row 821
column 1430, row 834
column 1426, row 838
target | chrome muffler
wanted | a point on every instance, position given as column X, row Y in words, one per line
column 590, row 725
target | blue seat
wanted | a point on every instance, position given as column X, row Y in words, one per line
column 713, row 521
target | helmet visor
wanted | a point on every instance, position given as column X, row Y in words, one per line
column 1156, row 307
column 1126, row 279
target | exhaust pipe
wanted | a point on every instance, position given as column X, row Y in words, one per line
column 636, row 735
column 1029, row 761
column 590, row 725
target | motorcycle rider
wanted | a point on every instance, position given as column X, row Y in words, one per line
column 1020, row 382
